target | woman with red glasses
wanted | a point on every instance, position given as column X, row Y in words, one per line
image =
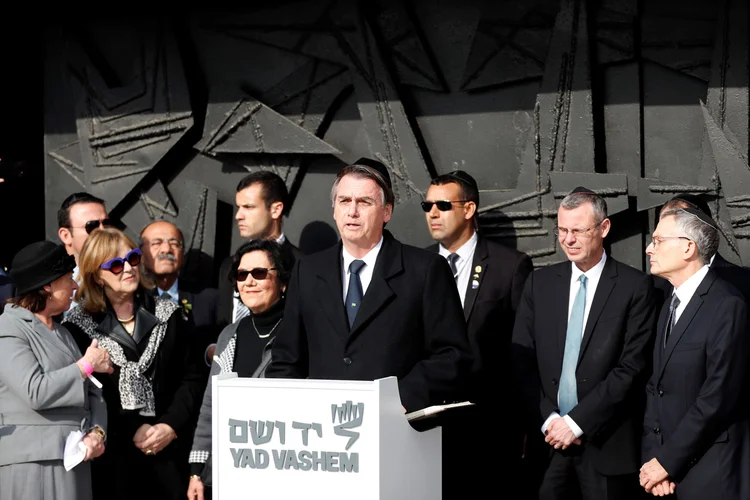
column 153, row 395
column 260, row 271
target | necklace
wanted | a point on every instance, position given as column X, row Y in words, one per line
column 269, row 333
column 125, row 320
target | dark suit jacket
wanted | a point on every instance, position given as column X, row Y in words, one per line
column 7, row 290
column 226, row 286
column 409, row 325
column 204, row 313
column 737, row 276
column 613, row 364
column 490, row 312
column 694, row 423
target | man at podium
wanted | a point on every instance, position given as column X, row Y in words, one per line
column 372, row 307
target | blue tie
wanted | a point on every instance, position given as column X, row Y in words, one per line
column 568, row 394
column 354, row 293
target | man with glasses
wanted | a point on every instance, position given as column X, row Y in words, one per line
column 80, row 214
column 163, row 247
column 696, row 436
column 738, row 276
column 489, row 278
column 581, row 356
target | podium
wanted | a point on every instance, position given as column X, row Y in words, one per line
column 319, row 439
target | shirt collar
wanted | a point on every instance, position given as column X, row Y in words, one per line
column 369, row 258
column 281, row 239
column 465, row 251
column 686, row 291
column 594, row 272
column 173, row 292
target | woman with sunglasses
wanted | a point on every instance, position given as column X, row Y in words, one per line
column 46, row 392
column 261, row 271
column 153, row 395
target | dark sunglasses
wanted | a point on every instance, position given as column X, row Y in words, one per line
column 117, row 265
column 91, row 225
column 258, row 273
column 443, row 205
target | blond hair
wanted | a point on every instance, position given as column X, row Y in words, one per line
column 101, row 246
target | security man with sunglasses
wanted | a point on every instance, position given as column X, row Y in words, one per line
column 79, row 215
column 490, row 279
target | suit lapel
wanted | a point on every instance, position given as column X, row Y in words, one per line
column 658, row 351
column 110, row 327
column 330, row 292
column 144, row 323
column 480, row 262
column 601, row 294
column 684, row 321
column 379, row 292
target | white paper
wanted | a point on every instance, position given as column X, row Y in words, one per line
column 75, row 450
column 433, row 410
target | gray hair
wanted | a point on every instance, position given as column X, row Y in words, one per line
column 575, row 200
column 362, row 171
column 704, row 235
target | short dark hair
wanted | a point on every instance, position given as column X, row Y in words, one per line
column 364, row 171
column 468, row 191
column 63, row 215
column 280, row 259
column 273, row 187
column 34, row 301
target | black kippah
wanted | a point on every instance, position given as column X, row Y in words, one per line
column 702, row 216
column 581, row 189
column 694, row 201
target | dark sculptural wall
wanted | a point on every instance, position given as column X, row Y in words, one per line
column 637, row 100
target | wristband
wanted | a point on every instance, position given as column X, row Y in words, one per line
column 86, row 367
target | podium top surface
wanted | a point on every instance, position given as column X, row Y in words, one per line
column 310, row 384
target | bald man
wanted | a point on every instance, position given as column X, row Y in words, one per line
column 163, row 248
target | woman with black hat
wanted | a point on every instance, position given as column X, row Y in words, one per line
column 46, row 391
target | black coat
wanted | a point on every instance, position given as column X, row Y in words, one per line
column 226, row 286
column 178, row 382
column 613, row 365
column 695, row 423
column 410, row 325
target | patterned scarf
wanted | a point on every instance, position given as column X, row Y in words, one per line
column 135, row 389
column 225, row 360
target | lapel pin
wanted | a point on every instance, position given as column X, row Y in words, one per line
column 476, row 276
column 478, row 269
column 474, row 285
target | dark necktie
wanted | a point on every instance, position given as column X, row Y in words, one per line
column 672, row 318
column 354, row 292
column 452, row 258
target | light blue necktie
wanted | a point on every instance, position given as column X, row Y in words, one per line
column 568, row 394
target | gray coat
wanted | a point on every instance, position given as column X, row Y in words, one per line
column 202, row 444
column 42, row 394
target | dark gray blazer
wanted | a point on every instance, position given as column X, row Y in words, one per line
column 42, row 394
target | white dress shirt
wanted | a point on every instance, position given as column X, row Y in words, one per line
column 173, row 292
column 592, row 281
column 686, row 291
column 365, row 274
column 236, row 301
column 463, row 264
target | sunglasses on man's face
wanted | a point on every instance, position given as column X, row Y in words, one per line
column 117, row 265
column 92, row 225
column 258, row 273
column 443, row 205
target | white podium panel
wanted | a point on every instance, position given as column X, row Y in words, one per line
column 295, row 439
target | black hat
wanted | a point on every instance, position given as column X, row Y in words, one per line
column 464, row 177
column 694, row 201
column 378, row 167
column 703, row 216
column 581, row 189
column 39, row 264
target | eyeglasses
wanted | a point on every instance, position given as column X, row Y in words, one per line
column 117, row 265
column 172, row 242
column 258, row 273
column 443, row 205
column 577, row 233
column 91, row 225
column 656, row 240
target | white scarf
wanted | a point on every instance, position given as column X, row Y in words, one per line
column 136, row 391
